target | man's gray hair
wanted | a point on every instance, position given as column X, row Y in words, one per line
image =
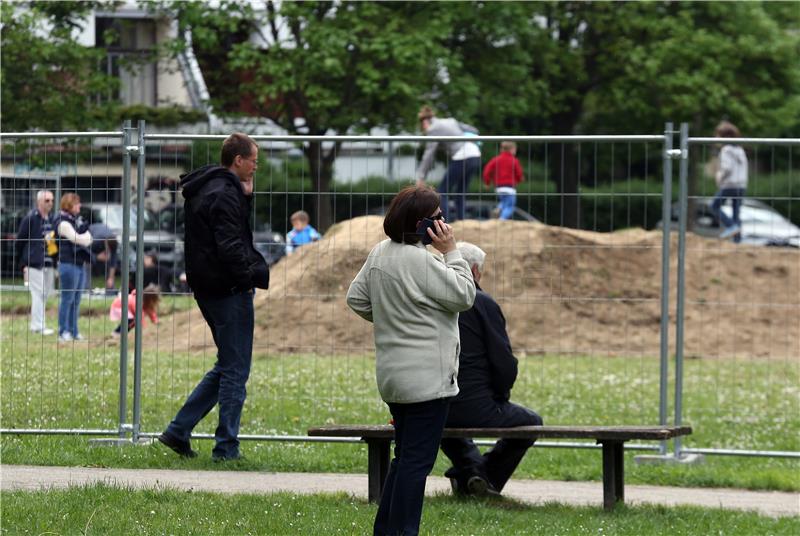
column 41, row 193
column 472, row 254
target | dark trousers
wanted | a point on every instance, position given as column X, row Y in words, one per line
column 231, row 321
column 457, row 178
column 417, row 432
column 499, row 463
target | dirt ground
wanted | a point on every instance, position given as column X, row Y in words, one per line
column 562, row 291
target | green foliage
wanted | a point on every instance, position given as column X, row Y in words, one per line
column 49, row 81
column 164, row 116
column 112, row 509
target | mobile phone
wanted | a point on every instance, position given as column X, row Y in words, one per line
column 422, row 230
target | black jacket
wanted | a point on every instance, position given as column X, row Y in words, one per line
column 487, row 368
column 69, row 252
column 30, row 247
column 220, row 257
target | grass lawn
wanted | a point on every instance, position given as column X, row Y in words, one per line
column 103, row 509
column 748, row 404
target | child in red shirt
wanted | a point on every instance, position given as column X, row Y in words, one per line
column 149, row 307
column 505, row 171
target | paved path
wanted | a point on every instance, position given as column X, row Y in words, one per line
column 23, row 477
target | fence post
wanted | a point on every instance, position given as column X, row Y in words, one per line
column 124, row 290
column 137, row 348
column 666, row 217
column 679, row 308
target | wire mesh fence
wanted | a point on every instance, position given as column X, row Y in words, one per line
column 578, row 271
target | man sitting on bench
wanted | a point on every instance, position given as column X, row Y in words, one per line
column 487, row 371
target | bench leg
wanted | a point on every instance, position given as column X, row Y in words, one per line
column 378, row 467
column 613, row 473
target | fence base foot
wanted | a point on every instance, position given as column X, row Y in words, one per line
column 118, row 442
column 655, row 459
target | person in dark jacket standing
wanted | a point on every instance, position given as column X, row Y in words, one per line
column 487, row 372
column 37, row 265
column 222, row 268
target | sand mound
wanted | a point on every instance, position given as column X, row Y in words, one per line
column 562, row 291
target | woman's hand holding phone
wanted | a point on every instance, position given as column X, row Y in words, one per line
column 442, row 237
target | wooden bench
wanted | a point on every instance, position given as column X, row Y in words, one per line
column 612, row 438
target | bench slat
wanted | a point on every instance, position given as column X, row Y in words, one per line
column 620, row 433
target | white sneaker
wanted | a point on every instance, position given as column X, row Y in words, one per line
column 45, row 331
column 730, row 231
column 77, row 337
column 65, row 337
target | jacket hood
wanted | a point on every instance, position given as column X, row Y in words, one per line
column 192, row 182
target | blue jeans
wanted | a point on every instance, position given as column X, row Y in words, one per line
column 71, row 278
column 231, row 321
column 735, row 195
column 457, row 178
column 417, row 432
column 506, row 203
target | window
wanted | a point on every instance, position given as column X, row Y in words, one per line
column 129, row 44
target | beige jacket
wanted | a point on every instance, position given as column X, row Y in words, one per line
column 413, row 298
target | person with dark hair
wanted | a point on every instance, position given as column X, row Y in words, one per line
column 465, row 157
column 486, row 375
column 36, row 261
column 150, row 299
column 731, row 178
column 223, row 268
column 413, row 298
column 74, row 240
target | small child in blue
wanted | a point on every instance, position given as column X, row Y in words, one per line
column 302, row 233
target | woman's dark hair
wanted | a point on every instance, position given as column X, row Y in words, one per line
column 237, row 144
column 726, row 129
column 408, row 207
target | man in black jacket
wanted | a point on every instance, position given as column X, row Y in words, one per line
column 222, row 268
column 36, row 262
column 486, row 374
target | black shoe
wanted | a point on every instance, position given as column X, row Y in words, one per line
column 480, row 487
column 183, row 448
column 221, row 459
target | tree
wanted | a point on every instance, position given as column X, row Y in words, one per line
column 318, row 68
column 49, row 81
column 625, row 67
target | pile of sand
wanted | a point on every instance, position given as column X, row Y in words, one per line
column 562, row 291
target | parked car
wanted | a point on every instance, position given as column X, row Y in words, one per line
column 761, row 224
column 165, row 244
column 474, row 209
column 270, row 244
column 9, row 224
column 479, row 209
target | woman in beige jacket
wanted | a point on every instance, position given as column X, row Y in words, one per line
column 413, row 298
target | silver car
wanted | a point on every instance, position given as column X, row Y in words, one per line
column 761, row 224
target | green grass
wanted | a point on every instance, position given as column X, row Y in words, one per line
column 742, row 403
column 103, row 509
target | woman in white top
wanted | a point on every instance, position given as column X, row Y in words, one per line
column 731, row 181
column 465, row 158
column 413, row 298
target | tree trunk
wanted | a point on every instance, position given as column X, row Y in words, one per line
column 564, row 170
column 320, row 165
